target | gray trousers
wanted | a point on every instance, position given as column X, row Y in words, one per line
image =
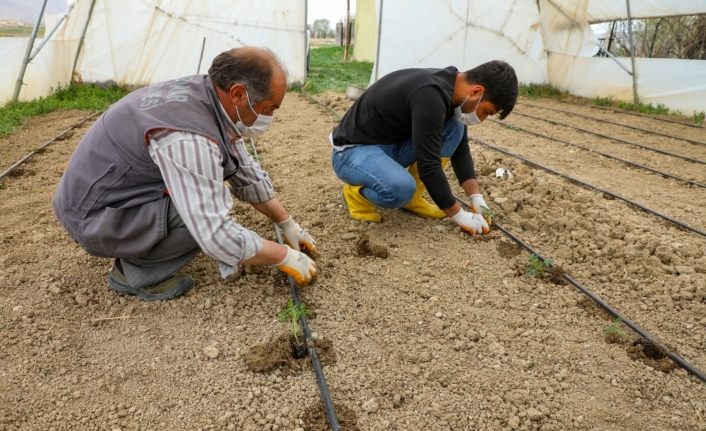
column 176, row 250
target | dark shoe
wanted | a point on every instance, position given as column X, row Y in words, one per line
column 170, row 288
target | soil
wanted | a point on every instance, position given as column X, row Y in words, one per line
column 368, row 248
column 277, row 354
column 442, row 334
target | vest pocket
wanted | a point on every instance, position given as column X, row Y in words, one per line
column 112, row 175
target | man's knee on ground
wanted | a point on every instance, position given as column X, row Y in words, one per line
column 398, row 193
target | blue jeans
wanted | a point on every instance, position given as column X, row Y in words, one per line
column 382, row 168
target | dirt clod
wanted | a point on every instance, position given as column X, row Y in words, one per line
column 368, row 248
column 650, row 354
column 315, row 418
column 277, row 354
column 508, row 249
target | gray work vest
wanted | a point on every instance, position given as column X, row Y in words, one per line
column 112, row 199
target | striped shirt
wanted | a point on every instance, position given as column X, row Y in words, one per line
column 191, row 168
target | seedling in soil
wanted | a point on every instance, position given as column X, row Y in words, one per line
column 488, row 214
column 614, row 332
column 538, row 267
column 511, row 127
column 699, row 118
column 291, row 314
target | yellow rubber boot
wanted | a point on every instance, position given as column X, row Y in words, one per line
column 418, row 205
column 358, row 207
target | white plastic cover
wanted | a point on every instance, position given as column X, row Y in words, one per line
column 462, row 33
column 138, row 42
column 610, row 10
column 546, row 41
column 678, row 84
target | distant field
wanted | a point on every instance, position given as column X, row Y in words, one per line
column 17, row 31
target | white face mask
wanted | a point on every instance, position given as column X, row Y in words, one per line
column 468, row 118
column 260, row 126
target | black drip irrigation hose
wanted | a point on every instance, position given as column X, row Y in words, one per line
column 14, row 166
column 627, row 162
column 634, row 114
column 310, row 345
column 607, row 307
column 612, row 138
column 311, row 348
column 639, row 129
column 597, row 299
column 592, row 187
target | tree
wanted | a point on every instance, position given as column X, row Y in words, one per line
column 321, row 28
column 668, row 37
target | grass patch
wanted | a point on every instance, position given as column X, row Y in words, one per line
column 74, row 96
column 19, row 31
column 645, row 109
column 533, row 91
column 699, row 118
column 328, row 71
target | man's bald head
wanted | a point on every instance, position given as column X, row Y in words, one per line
column 255, row 68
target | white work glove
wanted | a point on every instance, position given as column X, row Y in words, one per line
column 472, row 223
column 478, row 205
column 298, row 265
column 295, row 236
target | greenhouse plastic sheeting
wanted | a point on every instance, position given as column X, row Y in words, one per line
column 601, row 77
column 49, row 69
column 525, row 33
column 139, row 42
column 439, row 33
column 610, row 10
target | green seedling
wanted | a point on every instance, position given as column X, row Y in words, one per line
column 488, row 214
column 699, row 118
column 615, row 329
column 539, row 267
column 511, row 127
column 291, row 314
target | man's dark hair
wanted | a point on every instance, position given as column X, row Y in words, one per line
column 251, row 67
column 500, row 83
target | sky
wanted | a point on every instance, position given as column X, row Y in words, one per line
column 332, row 10
column 26, row 10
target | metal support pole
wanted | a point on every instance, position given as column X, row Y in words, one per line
column 47, row 36
column 30, row 45
column 203, row 46
column 348, row 31
column 635, row 96
column 307, row 41
column 377, row 54
column 83, row 37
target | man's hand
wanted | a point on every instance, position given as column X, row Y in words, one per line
column 295, row 236
column 472, row 223
column 479, row 206
column 302, row 269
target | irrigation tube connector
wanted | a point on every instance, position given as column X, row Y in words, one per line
column 44, row 145
column 639, row 129
column 310, row 345
column 607, row 307
column 612, row 138
column 593, row 150
column 592, row 187
column 311, row 348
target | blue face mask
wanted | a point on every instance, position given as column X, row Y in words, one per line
column 469, row 118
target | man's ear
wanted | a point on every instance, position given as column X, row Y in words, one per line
column 237, row 93
column 477, row 89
